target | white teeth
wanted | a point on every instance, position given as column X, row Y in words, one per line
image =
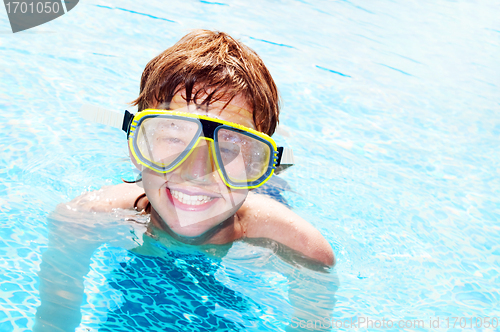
column 190, row 199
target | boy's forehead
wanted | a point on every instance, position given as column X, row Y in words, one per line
column 237, row 111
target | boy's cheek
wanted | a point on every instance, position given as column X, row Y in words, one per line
column 139, row 167
column 238, row 195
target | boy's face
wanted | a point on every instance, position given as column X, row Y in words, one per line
column 193, row 199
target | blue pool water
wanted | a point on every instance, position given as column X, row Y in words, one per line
column 393, row 112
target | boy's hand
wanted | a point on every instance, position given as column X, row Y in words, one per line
column 121, row 196
column 263, row 217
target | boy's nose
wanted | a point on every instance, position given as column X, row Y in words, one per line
column 199, row 166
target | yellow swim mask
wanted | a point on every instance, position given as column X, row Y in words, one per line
column 162, row 140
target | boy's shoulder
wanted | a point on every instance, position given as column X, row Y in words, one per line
column 121, row 196
column 263, row 217
column 259, row 217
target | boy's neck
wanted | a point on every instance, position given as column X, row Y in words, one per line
column 225, row 232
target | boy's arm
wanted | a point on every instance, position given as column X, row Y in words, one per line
column 121, row 196
column 64, row 265
column 312, row 296
column 73, row 237
column 263, row 217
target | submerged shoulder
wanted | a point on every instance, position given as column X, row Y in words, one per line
column 263, row 217
column 121, row 196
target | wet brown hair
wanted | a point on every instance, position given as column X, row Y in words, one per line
column 211, row 66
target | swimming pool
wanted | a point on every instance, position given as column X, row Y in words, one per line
column 392, row 110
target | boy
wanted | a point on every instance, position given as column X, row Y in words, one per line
column 200, row 140
column 208, row 74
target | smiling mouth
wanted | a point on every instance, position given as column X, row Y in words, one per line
column 190, row 199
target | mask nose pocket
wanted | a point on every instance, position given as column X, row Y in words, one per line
column 199, row 160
